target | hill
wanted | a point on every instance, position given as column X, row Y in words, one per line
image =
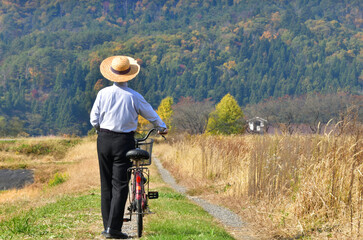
column 50, row 53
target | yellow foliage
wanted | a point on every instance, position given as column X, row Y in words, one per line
column 7, row 3
column 98, row 85
column 119, row 20
column 94, row 59
column 227, row 117
column 225, row 29
column 165, row 111
column 31, row 71
column 359, row 36
column 275, row 17
column 154, row 59
column 358, row 22
column 351, row 53
column 101, row 19
column 142, row 123
column 117, row 47
column 230, row 64
column 268, row 35
column 195, row 32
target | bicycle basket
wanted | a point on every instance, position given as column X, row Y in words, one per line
column 147, row 146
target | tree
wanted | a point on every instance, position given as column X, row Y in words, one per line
column 142, row 123
column 3, row 124
column 227, row 117
column 192, row 116
column 165, row 111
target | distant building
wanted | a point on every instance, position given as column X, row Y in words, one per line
column 257, row 125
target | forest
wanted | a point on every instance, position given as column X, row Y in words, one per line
column 50, row 53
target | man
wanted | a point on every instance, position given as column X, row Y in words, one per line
column 114, row 115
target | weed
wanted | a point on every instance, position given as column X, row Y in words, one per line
column 37, row 149
column 19, row 225
column 38, row 146
column 57, row 179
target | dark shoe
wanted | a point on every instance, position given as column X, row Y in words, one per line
column 110, row 233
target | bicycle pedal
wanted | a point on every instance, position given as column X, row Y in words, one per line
column 153, row 195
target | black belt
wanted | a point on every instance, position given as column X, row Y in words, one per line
column 109, row 131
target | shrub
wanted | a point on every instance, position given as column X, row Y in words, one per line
column 58, row 179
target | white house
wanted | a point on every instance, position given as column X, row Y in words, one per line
column 257, row 125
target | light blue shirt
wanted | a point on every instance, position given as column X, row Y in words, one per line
column 117, row 107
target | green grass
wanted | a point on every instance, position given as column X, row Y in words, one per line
column 78, row 217
column 67, row 218
column 177, row 218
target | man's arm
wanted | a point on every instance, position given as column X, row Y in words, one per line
column 95, row 114
column 147, row 112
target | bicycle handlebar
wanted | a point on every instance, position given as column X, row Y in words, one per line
column 147, row 135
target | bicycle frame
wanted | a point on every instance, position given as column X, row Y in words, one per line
column 139, row 187
column 139, row 193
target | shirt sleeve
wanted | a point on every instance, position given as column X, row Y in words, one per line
column 95, row 113
column 147, row 112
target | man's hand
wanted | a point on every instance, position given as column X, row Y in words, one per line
column 163, row 131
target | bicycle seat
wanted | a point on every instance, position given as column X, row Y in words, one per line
column 137, row 154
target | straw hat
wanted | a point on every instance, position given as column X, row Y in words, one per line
column 119, row 68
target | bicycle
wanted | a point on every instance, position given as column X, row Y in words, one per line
column 139, row 193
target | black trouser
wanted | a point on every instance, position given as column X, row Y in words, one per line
column 112, row 149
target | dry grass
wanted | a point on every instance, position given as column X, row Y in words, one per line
column 289, row 185
column 79, row 163
column 85, row 174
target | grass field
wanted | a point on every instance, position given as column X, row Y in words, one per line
column 286, row 186
column 70, row 208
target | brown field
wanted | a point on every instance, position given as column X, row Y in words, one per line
column 76, row 159
column 286, row 186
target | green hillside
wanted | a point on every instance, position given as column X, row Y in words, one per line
column 50, row 53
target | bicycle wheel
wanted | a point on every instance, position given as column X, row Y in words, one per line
column 139, row 217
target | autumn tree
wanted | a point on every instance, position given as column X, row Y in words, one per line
column 142, row 123
column 192, row 116
column 165, row 111
column 227, row 117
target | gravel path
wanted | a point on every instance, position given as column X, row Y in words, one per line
column 231, row 221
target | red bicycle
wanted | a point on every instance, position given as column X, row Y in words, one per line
column 139, row 193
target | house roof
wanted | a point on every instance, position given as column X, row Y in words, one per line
column 256, row 118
